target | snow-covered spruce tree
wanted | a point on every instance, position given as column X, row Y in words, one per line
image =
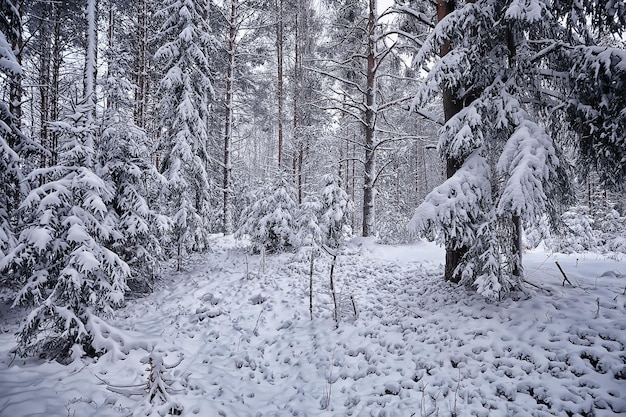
column 510, row 170
column 71, row 276
column 596, row 110
column 596, row 73
column 14, row 146
column 578, row 235
column 269, row 221
column 186, row 91
column 123, row 162
column 335, row 211
column 309, row 234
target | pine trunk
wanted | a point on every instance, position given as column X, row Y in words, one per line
column 44, row 88
column 228, row 119
column 280, row 92
column 297, row 85
column 17, row 44
column 369, row 219
column 57, row 61
column 90, row 58
column 451, row 106
column 141, row 70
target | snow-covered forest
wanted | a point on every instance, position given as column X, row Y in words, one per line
column 290, row 207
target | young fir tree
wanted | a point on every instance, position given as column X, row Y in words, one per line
column 309, row 234
column 123, row 161
column 185, row 95
column 69, row 273
column 270, row 219
column 11, row 139
column 335, row 211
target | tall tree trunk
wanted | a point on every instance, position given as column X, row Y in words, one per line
column 297, row 85
column 142, row 62
column 17, row 44
column 280, row 92
column 228, row 119
column 55, row 77
column 110, row 43
column 369, row 219
column 91, row 68
column 44, row 85
column 516, row 242
column 451, row 106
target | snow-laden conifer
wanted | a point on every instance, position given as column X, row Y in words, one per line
column 124, row 162
column 578, row 235
column 597, row 110
column 309, row 233
column 270, row 218
column 335, row 211
column 186, row 91
column 454, row 210
column 69, row 273
column 15, row 147
column 494, row 69
column 10, row 161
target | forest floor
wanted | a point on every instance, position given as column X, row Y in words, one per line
column 237, row 332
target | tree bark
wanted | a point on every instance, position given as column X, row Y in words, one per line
column 516, row 243
column 55, row 77
column 369, row 219
column 141, row 70
column 91, row 68
column 280, row 92
column 297, row 85
column 17, row 44
column 228, row 119
column 451, row 106
column 44, row 87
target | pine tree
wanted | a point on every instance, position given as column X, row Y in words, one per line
column 309, row 234
column 185, row 95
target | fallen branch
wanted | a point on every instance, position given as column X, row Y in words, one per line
column 537, row 286
column 564, row 276
column 410, row 311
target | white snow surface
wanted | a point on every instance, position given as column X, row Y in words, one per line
column 239, row 325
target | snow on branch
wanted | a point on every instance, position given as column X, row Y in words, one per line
column 451, row 210
column 526, row 10
column 528, row 159
column 463, row 133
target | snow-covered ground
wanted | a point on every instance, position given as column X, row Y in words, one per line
column 238, row 331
